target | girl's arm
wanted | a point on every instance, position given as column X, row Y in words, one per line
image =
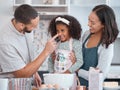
column 77, row 48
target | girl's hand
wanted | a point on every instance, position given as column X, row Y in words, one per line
column 53, row 55
column 72, row 57
column 67, row 72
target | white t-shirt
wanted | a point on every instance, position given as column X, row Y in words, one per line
column 15, row 50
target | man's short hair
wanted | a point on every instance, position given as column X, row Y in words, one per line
column 25, row 13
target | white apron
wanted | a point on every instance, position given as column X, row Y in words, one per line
column 62, row 61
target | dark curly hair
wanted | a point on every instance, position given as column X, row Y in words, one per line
column 74, row 26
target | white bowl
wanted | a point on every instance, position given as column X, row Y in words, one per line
column 63, row 80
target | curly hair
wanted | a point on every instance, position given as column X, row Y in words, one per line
column 74, row 26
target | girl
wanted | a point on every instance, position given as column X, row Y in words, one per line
column 70, row 32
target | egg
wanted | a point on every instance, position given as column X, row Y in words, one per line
column 50, row 86
column 56, row 86
column 43, row 86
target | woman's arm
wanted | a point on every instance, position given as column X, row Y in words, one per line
column 105, row 57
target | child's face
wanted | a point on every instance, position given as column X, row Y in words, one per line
column 63, row 31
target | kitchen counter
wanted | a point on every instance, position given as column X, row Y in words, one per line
column 114, row 72
column 113, row 76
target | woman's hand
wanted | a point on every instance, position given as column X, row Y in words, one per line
column 72, row 57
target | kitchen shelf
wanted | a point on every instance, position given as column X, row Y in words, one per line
column 42, row 5
column 52, row 13
column 47, row 9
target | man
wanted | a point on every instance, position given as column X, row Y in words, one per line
column 16, row 54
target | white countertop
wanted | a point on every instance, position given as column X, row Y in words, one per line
column 114, row 72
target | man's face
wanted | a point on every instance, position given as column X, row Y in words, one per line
column 26, row 30
column 29, row 27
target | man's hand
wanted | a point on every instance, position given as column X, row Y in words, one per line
column 51, row 45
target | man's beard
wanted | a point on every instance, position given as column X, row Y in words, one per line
column 26, row 30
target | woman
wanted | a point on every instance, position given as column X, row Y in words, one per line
column 98, row 42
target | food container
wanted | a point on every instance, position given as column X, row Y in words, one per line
column 3, row 83
column 20, row 84
column 63, row 80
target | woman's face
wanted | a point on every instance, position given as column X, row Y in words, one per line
column 63, row 31
column 95, row 25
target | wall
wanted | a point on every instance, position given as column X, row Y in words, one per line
column 6, row 11
column 81, row 13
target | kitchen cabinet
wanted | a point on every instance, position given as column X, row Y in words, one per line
column 47, row 8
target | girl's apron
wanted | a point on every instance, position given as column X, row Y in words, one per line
column 62, row 61
column 90, row 58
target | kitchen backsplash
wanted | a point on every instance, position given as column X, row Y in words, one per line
column 40, row 38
